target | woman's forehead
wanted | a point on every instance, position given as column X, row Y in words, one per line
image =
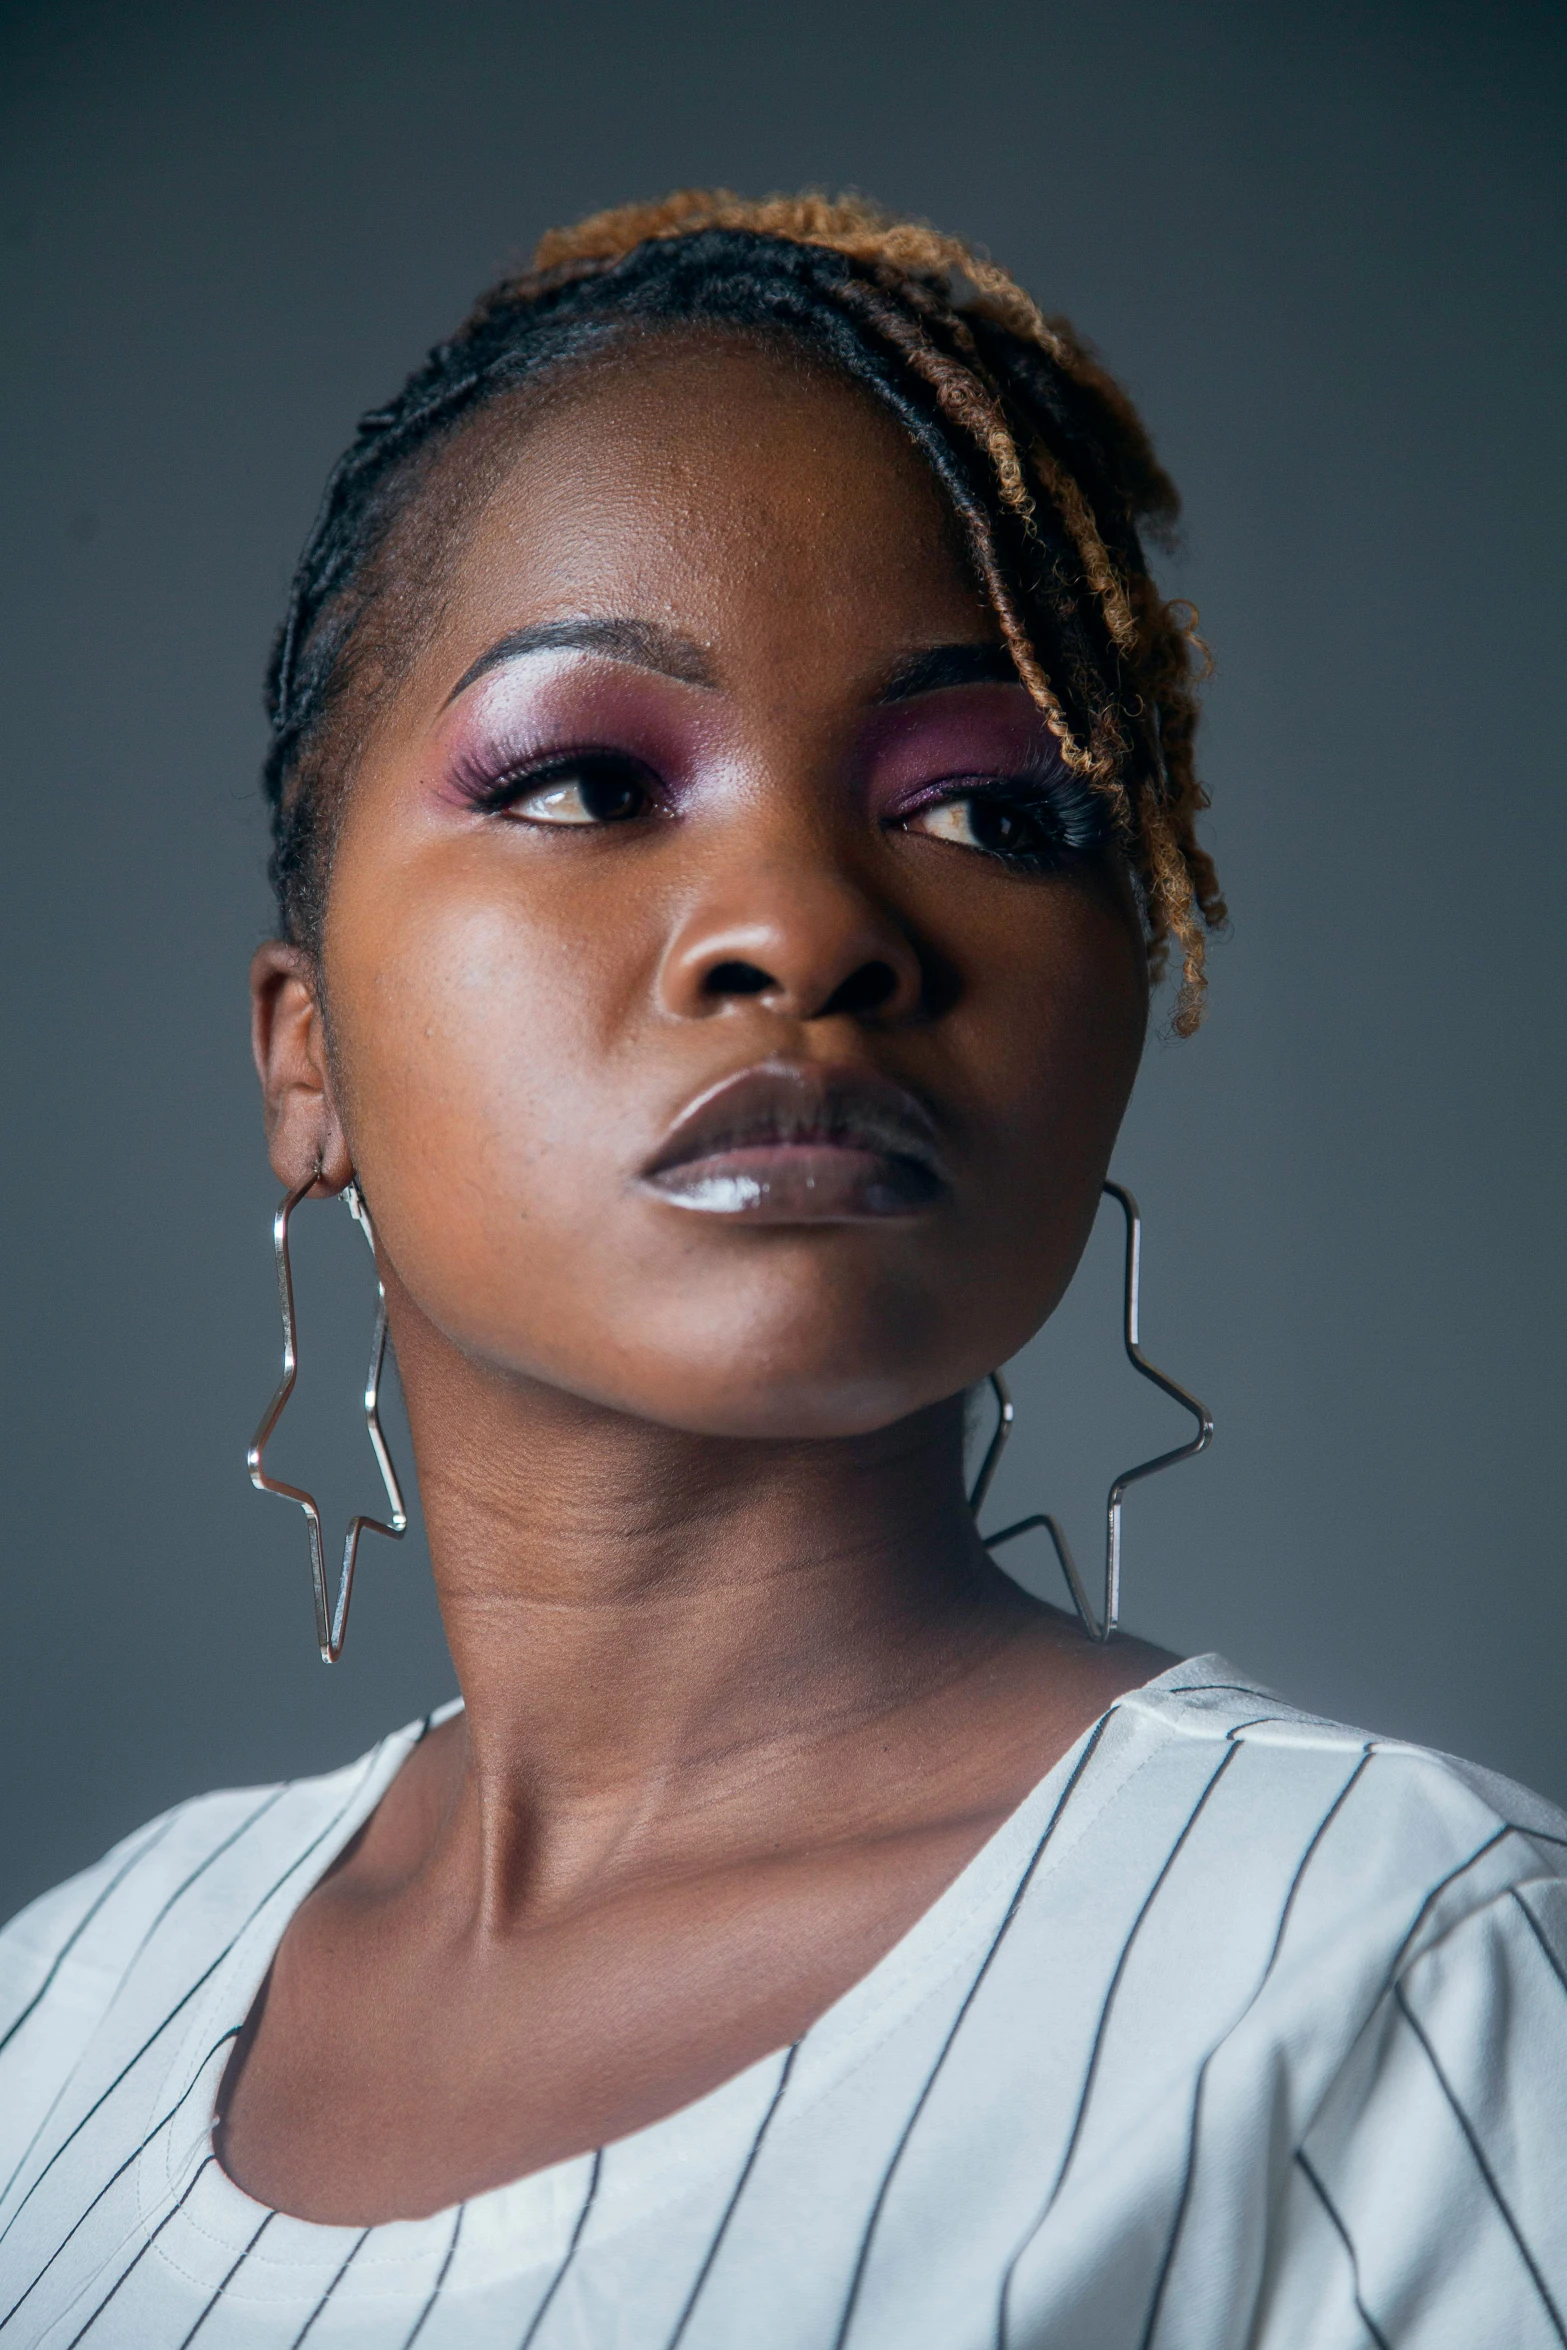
column 708, row 485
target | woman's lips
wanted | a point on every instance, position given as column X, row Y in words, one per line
column 791, row 1142
column 799, row 1183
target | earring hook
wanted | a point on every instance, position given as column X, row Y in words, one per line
column 331, row 1618
column 1100, row 1628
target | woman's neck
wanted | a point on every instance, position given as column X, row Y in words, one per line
column 663, row 1638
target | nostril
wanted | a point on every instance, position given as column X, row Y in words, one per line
column 737, row 979
column 868, row 989
column 865, row 990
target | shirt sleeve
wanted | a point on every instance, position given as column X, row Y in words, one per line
column 1426, row 2207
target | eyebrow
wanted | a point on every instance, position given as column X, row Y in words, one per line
column 641, row 642
column 645, row 645
column 946, row 665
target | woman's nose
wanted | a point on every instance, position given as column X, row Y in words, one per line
column 802, row 938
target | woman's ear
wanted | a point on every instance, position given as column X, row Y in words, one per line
column 288, row 1040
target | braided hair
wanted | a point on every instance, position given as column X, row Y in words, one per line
column 1045, row 463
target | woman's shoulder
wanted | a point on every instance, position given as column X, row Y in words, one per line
column 1378, row 1841
column 1380, row 1937
column 179, row 1884
column 1398, row 1785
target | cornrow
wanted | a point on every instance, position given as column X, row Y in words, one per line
column 1046, row 466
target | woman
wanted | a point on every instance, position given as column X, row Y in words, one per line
column 733, row 790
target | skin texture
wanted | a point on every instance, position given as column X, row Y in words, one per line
column 743, row 1693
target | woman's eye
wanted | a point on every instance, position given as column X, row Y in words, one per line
column 979, row 820
column 587, row 791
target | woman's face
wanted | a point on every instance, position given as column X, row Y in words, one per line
column 733, row 999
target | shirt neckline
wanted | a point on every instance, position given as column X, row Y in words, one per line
column 512, row 2227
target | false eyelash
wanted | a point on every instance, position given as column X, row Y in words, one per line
column 489, row 784
column 1084, row 816
column 1080, row 816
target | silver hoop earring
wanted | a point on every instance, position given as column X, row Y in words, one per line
column 1098, row 1628
column 331, row 1621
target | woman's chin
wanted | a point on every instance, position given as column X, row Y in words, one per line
column 810, row 1403
column 795, row 1353
column 810, row 1409
column 740, row 1396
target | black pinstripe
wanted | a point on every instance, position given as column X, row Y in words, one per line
column 730, row 2208
column 79, row 1929
column 118, row 2173
column 862, row 2260
column 233, row 2034
column 1231, row 1751
column 342, row 2272
column 1345, row 2238
column 138, row 2256
column 125, row 2070
column 228, row 2278
column 1090, row 2077
column 178, row 1893
column 559, row 2278
column 1533, row 1923
column 205, row 1976
column 1429, row 1903
column 218, row 1850
column 1472, row 2140
column 444, row 2271
column 1220, row 1689
column 1156, row 2304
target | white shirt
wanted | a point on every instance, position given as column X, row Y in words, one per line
column 1243, row 2030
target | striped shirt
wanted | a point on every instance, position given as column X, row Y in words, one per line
column 1244, row 2029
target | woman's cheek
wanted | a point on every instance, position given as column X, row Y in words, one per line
column 477, row 1034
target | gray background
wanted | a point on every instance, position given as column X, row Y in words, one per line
column 1324, row 247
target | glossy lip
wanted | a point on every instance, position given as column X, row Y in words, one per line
column 796, row 1142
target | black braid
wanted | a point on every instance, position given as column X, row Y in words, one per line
column 862, row 318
